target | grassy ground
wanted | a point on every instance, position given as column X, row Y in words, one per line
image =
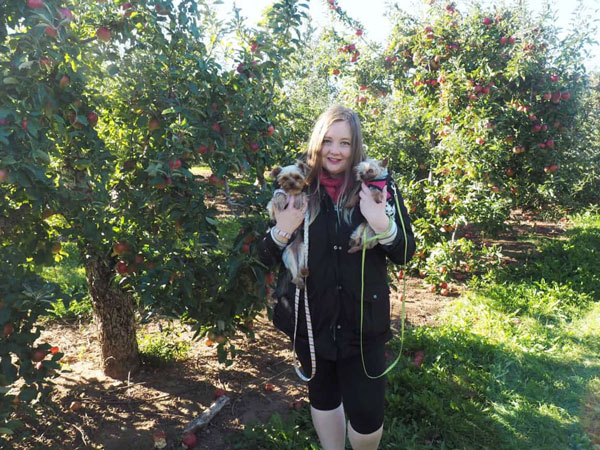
column 514, row 365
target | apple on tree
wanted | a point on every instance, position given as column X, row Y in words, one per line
column 50, row 31
column 92, row 118
column 103, row 34
column 3, row 175
column 64, row 82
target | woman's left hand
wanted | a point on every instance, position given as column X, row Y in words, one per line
column 372, row 211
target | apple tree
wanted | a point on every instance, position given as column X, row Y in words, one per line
column 105, row 109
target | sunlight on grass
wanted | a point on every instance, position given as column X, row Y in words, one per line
column 204, row 171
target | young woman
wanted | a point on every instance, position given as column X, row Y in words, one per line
column 340, row 385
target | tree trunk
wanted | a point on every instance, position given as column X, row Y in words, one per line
column 115, row 318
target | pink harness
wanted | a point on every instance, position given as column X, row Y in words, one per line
column 379, row 184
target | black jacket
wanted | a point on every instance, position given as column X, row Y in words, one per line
column 334, row 283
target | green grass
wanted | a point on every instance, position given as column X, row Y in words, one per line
column 510, row 367
column 163, row 348
column 69, row 273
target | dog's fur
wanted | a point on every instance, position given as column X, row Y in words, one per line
column 366, row 171
column 292, row 181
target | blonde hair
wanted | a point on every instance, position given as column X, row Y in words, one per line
column 350, row 186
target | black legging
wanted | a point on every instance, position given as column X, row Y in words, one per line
column 345, row 380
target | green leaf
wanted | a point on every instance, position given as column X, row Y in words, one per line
column 27, row 394
column 6, row 431
column 113, row 69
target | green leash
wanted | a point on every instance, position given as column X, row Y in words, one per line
column 362, row 292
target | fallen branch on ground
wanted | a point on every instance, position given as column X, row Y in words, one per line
column 207, row 415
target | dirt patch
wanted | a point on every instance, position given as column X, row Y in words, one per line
column 123, row 415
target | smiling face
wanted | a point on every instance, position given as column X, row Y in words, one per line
column 336, row 148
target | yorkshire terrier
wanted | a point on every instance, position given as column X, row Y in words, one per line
column 292, row 181
column 372, row 172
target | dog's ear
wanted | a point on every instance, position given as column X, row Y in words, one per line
column 275, row 172
column 303, row 166
column 385, row 162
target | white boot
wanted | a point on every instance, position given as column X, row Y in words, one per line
column 364, row 441
column 330, row 427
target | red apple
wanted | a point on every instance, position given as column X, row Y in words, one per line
column 555, row 97
column 335, row 71
column 565, row 96
column 65, row 14
column 553, row 167
column 120, row 248
column 510, row 172
column 64, row 82
column 214, row 180
column 54, row 350
column 45, row 63
column 270, row 278
column 359, row 32
column 511, row 40
column 219, row 393
column 418, row 359
column 35, row 3
column 547, row 96
column 550, row 143
column 486, row 21
column 25, row 124
column 269, row 387
column 503, row 40
column 189, row 440
column 75, row 405
column 554, row 78
column 246, row 248
column 92, row 118
column 38, row 355
column 7, row 330
column 160, row 439
column 253, row 46
column 495, row 189
column 202, row 149
column 254, row 146
column 216, row 127
column 51, row 31
column 270, row 130
column 103, row 34
column 480, row 141
column 153, row 124
column 122, row 268
column 536, row 128
column 127, row 9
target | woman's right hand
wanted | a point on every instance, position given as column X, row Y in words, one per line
column 289, row 219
